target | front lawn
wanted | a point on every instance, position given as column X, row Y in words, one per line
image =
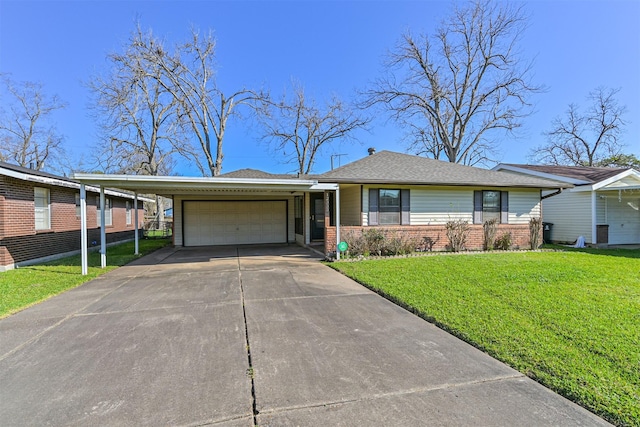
column 26, row 286
column 570, row 320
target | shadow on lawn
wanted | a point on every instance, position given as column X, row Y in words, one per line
column 614, row 252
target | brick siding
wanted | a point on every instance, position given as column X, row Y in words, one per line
column 20, row 241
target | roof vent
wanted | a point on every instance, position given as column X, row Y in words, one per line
column 371, row 151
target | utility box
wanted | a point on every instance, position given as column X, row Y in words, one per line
column 602, row 233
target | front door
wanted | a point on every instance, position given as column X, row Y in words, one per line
column 317, row 216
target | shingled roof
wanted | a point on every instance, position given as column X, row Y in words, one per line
column 255, row 173
column 588, row 174
column 387, row 167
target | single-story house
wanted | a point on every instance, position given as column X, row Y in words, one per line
column 40, row 216
column 603, row 206
column 394, row 191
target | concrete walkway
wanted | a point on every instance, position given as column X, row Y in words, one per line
column 250, row 335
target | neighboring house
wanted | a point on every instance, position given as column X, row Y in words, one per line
column 406, row 193
column 603, row 206
column 40, row 216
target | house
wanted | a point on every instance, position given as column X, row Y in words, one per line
column 40, row 216
column 603, row 206
column 394, row 191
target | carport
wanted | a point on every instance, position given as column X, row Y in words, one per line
column 217, row 210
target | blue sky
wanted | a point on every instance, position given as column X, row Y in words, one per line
column 329, row 46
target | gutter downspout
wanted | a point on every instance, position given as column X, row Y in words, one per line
column 552, row 194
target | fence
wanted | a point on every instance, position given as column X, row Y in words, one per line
column 153, row 229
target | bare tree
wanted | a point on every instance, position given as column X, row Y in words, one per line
column 298, row 127
column 188, row 73
column 584, row 138
column 461, row 85
column 28, row 137
column 139, row 119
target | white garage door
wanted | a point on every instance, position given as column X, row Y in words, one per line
column 232, row 223
column 624, row 220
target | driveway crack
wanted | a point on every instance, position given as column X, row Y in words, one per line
column 250, row 371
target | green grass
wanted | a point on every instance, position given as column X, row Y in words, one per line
column 26, row 286
column 570, row 320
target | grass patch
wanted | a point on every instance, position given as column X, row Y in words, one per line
column 570, row 320
column 29, row 285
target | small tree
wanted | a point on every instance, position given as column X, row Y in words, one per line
column 457, row 232
column 490, row 229
column 535, row 224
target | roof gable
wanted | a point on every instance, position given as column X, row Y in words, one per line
column 396, row 168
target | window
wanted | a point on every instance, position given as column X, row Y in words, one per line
column 389, row 207
column 490, row 204
column 128, row 212
column 42, row 204
column 298, row 208
column 107, row 212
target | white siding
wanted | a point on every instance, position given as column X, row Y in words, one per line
column 570, row 213
column 438, row 205
column 350, row 205
column 601, row 210
column 624, row 219
column 178, row 217
column 435, row 206
column 523, row 206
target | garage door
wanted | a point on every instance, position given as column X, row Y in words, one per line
column 232, row 223
column 623, row 216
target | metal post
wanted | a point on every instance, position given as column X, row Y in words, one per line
column 103, row 231
column 337, row 222
column 594, row 228
column 84, row 252
column 135, row 207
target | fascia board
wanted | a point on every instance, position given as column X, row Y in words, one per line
column 539, row 174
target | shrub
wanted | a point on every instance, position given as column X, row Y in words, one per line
column 428, row 243
column 399, row 244
column 457, row 232
column 489, row 229
column 373, row 241
column 355, row 242
column 504, row 242
column 534, row 232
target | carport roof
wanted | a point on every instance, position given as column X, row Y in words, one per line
column 169, row 185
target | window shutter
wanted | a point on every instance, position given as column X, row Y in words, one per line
column 477, row 207
column 404, row 203
column 373, row 206
column 504, row 207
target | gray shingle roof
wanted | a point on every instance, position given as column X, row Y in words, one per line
column 584, row 173
column 255, row 173
column 388, row 167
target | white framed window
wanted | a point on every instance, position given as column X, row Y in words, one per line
column 389, row 207
column 128, row 211
column 107, row 212
column 42, row 202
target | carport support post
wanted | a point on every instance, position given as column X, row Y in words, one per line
column 84, row 261
column 337, row 222
column 135, row 214
column 103, row 232
column 594, row 227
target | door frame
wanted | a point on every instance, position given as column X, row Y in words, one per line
column 316, row 232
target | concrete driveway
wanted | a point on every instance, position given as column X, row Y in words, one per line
column 250, row 335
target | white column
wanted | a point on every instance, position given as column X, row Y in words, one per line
column 84, row 252
column 594, row 228
column 135, row 214
column 337, row 221
column 103, row 231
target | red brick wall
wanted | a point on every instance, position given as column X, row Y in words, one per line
column 519, row 235
column 19, row 240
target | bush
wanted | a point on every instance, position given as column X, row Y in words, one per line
column 504, row 242
column 489, row 229
column 373, row 241
column 534, row 232
column 400, row 244
column 457, row 232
